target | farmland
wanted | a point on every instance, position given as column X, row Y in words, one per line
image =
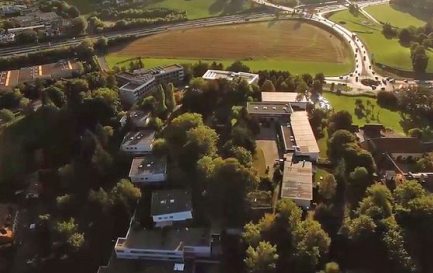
column 283, row 45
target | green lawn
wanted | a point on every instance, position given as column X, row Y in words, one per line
column 390, row 119
column 323, row 145
column 387, row 14
column 200, row 8
column 295, row 67
column 320, row 173
column 386, row 51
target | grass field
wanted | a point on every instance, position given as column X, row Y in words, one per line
column 282, row 45
column 386, row 51
column 390, row 119
column 259, row 163
column 387, row 14
column 194, row 8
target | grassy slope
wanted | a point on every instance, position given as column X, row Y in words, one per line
column 330, row 69
column 387, row 14
column 388, row 118
column 386, row 51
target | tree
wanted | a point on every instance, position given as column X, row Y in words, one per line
column 360, row 229
column 377, row 204
column 251, row 234
column 238, row 66
column 331, row 267
column 312, row 243
column 85, row 49
column 76, row 241
column 66, row 228
column 125, row 193
column 357, row 184
column 101, row 198
column 419, row 59
column 160, row 106
column 268, row 86
column 27, row 37
column 73, row 12
column 201, row 141
column 77, row 26
column 261, row 259
column 328, row 187
column 340, row 120
column 176, row 131
column 408, row 191
column 109, row 96
column 405, row 36
column 6, row 115
column 337, row 144
column 55, row 95
column 170, row 100
column 101, row 44
column 243, row 155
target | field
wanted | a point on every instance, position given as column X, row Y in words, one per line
column 386, row 51
column 283, row 45
column 387, row 14
column 390, row 119
column 194, row 8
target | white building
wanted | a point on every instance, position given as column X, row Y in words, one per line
column 170, row 245
column 137, row 118
column 231, row 76
column 170, row 206
column 148, row 169
column 295, row 100
column 6, row 38
column 137, row 84
column 298, row 183
column 138, row 142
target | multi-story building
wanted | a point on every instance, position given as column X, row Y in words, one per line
column 148, row 169
column 137, row 84
column 138, row 142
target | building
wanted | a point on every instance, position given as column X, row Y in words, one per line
column 398, row 148
column 298, row 183
column 138, row 142
column 303, row 135
column 170, row 206
column 8, row 10
column 137, row 118
column 48, row 19
column 177, row 244
column 231, row 76
column 269, row 111
column 6, row 38
column 148, row 169
column 295, row 100
column 61, row 69
column 135, row 85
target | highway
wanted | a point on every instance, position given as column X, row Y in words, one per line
column 223, row 20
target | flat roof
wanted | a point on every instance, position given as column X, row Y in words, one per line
column 230, row 76
column 174, row 239
column 118, row 265
column 269, row 108
column 303, row 133
column 170, row 201
column 286, row 97
column 148, row 164
column 144, row 137
column 159, row 69
column 138, row 118
column 298, row 180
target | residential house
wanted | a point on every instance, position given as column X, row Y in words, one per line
column 169, row 206
column 148, row 169
column 138, row 142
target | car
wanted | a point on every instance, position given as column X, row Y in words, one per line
column 406, row 81
column 341, row 77
column 373, row 87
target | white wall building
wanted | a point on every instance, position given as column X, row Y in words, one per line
column 138, row 142
column 295, row 100
column 170, row 206
column 148, row 169
column 231, row 76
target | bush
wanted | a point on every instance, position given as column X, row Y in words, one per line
column 387, row 99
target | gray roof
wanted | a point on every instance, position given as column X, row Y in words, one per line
column 148, row 164
column 145, row 137
column 170, row 201
column 172, row 239
column 269, row 108
column 298, row 180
